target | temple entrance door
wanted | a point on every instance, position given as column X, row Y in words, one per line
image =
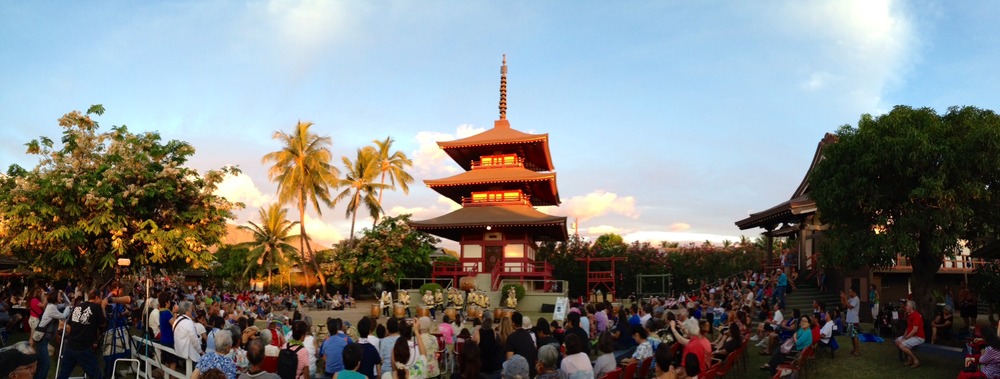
column 492, row 255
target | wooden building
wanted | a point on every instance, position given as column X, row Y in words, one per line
column 507, row 174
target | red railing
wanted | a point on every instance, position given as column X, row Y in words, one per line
column 468, row 202
column 454, row 269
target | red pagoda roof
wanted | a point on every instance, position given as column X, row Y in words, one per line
column 452, row 225
column 540, row 186
column 534, row 148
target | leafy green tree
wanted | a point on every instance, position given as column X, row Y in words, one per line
column 99, row 196
column 610, row 245
column 383, row 254
column 359, row 184
column 911, row 183
column 392, row 164
column 271, row 247
column 304, row 175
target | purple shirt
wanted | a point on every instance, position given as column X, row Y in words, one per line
column 601, row 318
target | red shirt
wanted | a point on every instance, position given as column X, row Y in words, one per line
column 815, row 332
column 700, row 347
column 915, row 320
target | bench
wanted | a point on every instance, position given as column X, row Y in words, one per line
column 937, row 351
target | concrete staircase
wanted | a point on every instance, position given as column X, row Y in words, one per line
column 803, row 297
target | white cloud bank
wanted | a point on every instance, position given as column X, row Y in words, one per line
column 595, row 204
column 429, row 159
column 241, row 188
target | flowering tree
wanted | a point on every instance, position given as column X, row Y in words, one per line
column 100, row 196
column 389, row 251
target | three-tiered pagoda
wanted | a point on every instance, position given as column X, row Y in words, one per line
column 507, row 174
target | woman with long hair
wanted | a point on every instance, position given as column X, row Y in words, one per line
column 506, row 328
column 470, row 363
column 406, row 363
column 50, row 318
column 803, row 338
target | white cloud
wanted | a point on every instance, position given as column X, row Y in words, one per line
column 430, row 159
column 866, row 45
column 679, row 227
column 444, row 205
column 594, row 204
column 241, row 188
column 321, row 232
column 603, row 229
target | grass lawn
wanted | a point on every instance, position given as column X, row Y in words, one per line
column 877, row 360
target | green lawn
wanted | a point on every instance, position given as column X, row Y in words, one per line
column 877, row 360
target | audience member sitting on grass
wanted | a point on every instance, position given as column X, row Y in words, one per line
column 914, row 335
column 941, row 326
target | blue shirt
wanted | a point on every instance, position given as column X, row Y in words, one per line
column 783, row 280
column 166, row 329
column 333, row 351
column 210, row 340
column 221, row 362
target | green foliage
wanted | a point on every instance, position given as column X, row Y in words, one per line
column 271, row 247
column 924, row 181
column 433, row 287
column 359, row 185
column 100, row 196
column 986, row 281
column 691, row 262
column 518, row 292
column 389, row 251
column 609, row 245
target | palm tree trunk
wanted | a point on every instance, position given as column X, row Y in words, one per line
column 312, row 256
column 375, row 221
column 302, row 237
column 354, row 218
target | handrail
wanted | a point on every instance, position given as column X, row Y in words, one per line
column 151, row 362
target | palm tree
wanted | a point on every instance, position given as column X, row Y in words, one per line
column 271, row 246
column 359, row 184
column 393, row 165
column 304, row 174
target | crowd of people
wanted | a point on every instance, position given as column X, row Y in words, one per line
column 222, row 334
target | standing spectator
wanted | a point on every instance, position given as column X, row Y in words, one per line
column 187, row 343
column 968, row 305
column 217, row 358
column 489, row 348
column 166, row 333
column 470, row 362
column 352, row 362
column 873, row 299
column 853, row 305
column 332, row 348
column 52, row 314
column 781, row 288
column 914, row 335
column 85, row 324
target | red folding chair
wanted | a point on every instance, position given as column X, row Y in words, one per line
column 613, row 374
column 644, row 367
column 630, row 370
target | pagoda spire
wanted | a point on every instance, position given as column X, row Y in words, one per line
column 503, row 89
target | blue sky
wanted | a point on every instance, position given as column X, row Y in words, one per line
column 667, row 120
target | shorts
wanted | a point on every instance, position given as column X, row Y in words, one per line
column 852, row 330
column 911, row 342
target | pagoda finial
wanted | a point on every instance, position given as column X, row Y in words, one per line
column 503, row 89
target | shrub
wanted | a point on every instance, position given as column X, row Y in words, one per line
column 433, row 287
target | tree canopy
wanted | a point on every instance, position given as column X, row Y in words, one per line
column 99, row 196
column 910, row 182
column 383, row 254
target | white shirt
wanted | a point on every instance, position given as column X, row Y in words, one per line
column 154, row 321
column 187, row 342
column 585, row 325
column 826, row 331
column 852, row 312
column 778, row 318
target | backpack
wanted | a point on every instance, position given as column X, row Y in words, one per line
column 288, row 362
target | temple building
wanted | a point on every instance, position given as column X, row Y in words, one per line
column 507, row 174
